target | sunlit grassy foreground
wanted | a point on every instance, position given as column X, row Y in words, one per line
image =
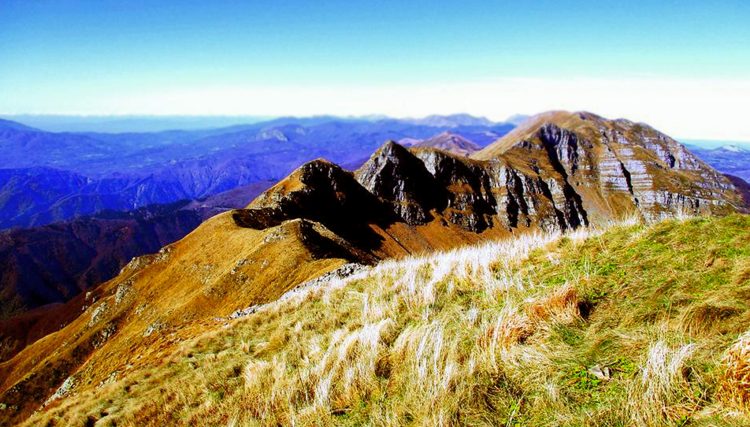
column 633, row 325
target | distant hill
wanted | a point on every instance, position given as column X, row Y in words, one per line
column 55, row 262
column 730, row 159
column 14, row 126
column 48, row 177
column 517, row 119
column 123, row 124
column 452, row 121
column 450, row 142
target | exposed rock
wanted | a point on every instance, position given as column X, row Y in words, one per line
column 326, row 194
column 241, row 313
column 602, row 373
column 104, row 335
column 560, row 171
column 65, row 388
column 401, row 180
column 153, row 327
column 123, row 290
column 609, row 168
column 109, row 380
column 98, row 313
column 342, row 272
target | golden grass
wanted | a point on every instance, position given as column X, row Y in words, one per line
column 734, row 388
column 542, row 330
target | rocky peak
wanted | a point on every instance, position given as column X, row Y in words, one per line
column 398, row 178
column 319, row 191
column 632, row 163
column 561, row 171
column 450, row 142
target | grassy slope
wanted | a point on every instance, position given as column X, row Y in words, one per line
column 502, row 334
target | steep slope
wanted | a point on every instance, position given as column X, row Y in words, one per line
column 742, row 186
column 44, row 266
column 450, row 142
column 161, row 299
column 55, row 262
column 378, row 221
column 545, row 330
column 614, row 165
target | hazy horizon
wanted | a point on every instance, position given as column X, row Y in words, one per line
column 682, row 68
column 158, row 123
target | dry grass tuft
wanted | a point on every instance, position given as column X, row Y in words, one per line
column 663, row 393
column 559, row 306
column 734, row 386
column 245, row 346
column 703, row 318
column 741, row 273
column 509, row 328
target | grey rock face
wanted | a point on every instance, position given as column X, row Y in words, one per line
column 553, row 178
column 402, row 181
column 472, row 195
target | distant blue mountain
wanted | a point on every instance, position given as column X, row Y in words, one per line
column 134, row 123
column 47, row 177
column 731, row 159
column 11, row 125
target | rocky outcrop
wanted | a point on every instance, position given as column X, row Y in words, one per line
column 322, row 192
column 616, row 166
column 399, row 179
column 562, row 172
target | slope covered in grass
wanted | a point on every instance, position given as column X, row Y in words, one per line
column 633, row 325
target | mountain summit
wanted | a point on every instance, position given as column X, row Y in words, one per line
column 450, row 142
column 616, row 165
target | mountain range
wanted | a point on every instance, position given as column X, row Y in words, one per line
column 48, row 177
column 91, row 201
column 446, row 141
column 39, row 266
column 556, row 172
column 730, row 159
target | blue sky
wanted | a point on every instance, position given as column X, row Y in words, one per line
column 305, row 57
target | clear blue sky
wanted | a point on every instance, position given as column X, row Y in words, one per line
column 66, row 56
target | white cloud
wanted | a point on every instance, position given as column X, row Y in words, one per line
column 686, row 108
